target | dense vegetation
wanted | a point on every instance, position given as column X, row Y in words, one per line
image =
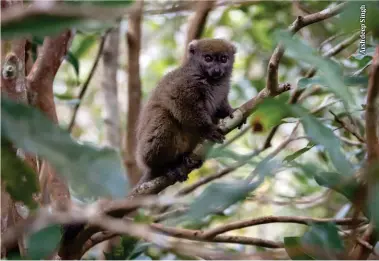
column 298, row 181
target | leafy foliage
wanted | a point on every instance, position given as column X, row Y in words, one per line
column 100, row 169
column 331, row 72
column 126, row 250
column 43, row 243
column 321, row 241
column 19, row 179
column 328, row 157
column 218, row 196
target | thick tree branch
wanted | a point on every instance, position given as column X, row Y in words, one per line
column 87, row 81
column 372, row 111
column 133, row 37
column 13, row 85
column 109, row 88
column 40, row 86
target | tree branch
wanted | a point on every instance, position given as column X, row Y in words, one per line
column 297, row 93
column 347, row 127
column 210, row 233
column 133, row 37
column 40, row 87
column 195, row 235
column 88, row 80
column 109, row 88
column 372, row 142
column 217, row 175
column 300, row 22
column 158, row 235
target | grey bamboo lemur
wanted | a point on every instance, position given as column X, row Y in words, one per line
column 184, row 109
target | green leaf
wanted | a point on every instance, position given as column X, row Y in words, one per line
column 329, row 71
column 318, row 133
column 19, row 179
column 298, row 153
column 99, row 170
column 37, row 40
column 42, row 24
column 267, row 114
column 70, row 57
column 219, row 196
column 322, row 241
column 359, row 15
column 123, row 250
column 347, row 80
column 294, row 249
column 38, row 25
column 369, row 53
column 347, row 186
column 139, row 250
column 324, row 136
column 82, row 44
column 44, row 242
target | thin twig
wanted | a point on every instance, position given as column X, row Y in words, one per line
column 300, row 22
column 275, row 219
column 335, row 50
column 330, row 39
column 234, row 138
column 197, row 235
column 347, row 127
column 86, row 83
column 217, row 175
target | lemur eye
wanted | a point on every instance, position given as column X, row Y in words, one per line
column 208, row 58
column 224, row 59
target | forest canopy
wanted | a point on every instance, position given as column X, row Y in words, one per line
column 296, row 178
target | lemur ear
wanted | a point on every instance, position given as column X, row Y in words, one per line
column 234, row 49
column 192, row 46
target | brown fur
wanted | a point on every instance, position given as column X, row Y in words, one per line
column 183, row 110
